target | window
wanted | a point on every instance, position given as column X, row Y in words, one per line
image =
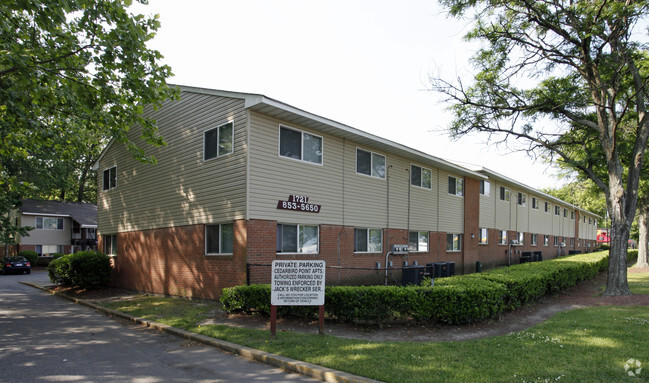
column 421, row 177
column 504, row 193
column 453, row 242
column 520, row 237
column 300, row 145
column 484, row 236
column 557, row 210
column 485, row 188
column 368, row 240
column 572, row 214
column 110, row 244
column 218, row 142
column 535, row 239
column 572, row 242
column 418, row 241
column 49, row 223
column 219, row 239
column 535, row 203
column 502, row 237
column 556, row 241
column 565, row 213
column 455, row 186
column 546, row 240
column 370, row 164
column 48, row 250
column 297, row 239
column 547, row 207
column 110, row 178
column 522, row 199
column 584, row 219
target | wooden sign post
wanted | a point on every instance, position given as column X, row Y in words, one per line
column 297, row 283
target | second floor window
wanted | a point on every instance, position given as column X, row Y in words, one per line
column 522, row 199
column 421, row 177
column 504, row 194
column 300, row 145
column 455, row 186
column 485, row 188
column 110, row 178
column 49, row 223
column 370, row 164
column 218, row 141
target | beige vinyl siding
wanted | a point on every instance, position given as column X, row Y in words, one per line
column 451, row 207
column 181, row 189
column 488, row 208
column 504, row 209
column 540, row 221
column 522, row 213
column 46, row 237
column 274, row 178
column 424, row 210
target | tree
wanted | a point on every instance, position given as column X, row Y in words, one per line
column 551, row 73
column 72, row 73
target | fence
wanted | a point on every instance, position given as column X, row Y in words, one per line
column 360, row 276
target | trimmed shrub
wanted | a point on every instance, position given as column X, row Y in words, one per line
column 85, row 269
column 59, row 271
column 31, row 256
column 89, row 269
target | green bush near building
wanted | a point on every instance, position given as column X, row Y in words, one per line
column 455, row 300
column 85, row 269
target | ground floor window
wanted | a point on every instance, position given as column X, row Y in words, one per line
column 368, row 240
column 484, row 236
column 110, row 244
column 521, row 237
column 219, row 239
column 48, row 250
column 453, row 242
column 546, row 240
column 502, row 237
column 297, row 239
column 418, row 241
column 556, row 241
column 535, row 239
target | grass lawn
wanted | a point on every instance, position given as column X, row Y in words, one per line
column 585, row 345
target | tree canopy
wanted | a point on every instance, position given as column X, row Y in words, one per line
column 569, row 79
column 73, row 74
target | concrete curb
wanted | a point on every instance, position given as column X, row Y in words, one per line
column 308, row 369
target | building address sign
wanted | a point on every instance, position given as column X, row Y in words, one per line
column 298, row 203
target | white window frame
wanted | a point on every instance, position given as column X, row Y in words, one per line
column 300, row 246
column 522, row 199
column 220, row 235
column 548, row 207
column 485, row 188
column 557, row 210
column 218, row 140
column 535, row 239
column 504, row 194
column 368, row 244
column 421, row 177
column 419, row 248
column 110, row 244
column 454, row 239
column 459, row 186
column 502, row 237
column 556, row 241
column 40, row 223
column 112, row 178
column 302, row 134
column 372, row 157
column 546, row 240
column 483, row 236
column 535, row 203
column 520, row 236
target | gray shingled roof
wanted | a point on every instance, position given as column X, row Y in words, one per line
column 84, row 213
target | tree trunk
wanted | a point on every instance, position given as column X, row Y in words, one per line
column 643, row 226
column 618, row 207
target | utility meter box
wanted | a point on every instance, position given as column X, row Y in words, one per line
column 399, row 249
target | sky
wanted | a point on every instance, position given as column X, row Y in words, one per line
column 365, row 64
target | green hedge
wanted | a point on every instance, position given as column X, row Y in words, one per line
column 85, row 269
column 31, row 256
column 460, row 299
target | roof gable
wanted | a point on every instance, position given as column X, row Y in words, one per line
column 84, row 213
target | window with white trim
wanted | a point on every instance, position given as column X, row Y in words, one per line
column 546, row 240
column 455, row 186
column 453, row 242
column 219, row 239
column 418, row 241
column 547, row 207
column 557, row 210
column 368, row 240
column 370, row 163
column 303, row 239
column 421, row 177
column 565, row 213
column 483, row 234
column 300, row 145
column 485, row 188
column 556, row 241
column 535, row 239
column 535, row 203
column 522, row 199
column 504, row 194
column 110, row 178
column 110, row 244
column 521, row 237
column 219, row 141
column 49, row 223
column 502, row 237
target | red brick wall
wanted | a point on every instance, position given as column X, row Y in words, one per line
column 172, row 261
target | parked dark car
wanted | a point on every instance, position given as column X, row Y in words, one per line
column 16, row 265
